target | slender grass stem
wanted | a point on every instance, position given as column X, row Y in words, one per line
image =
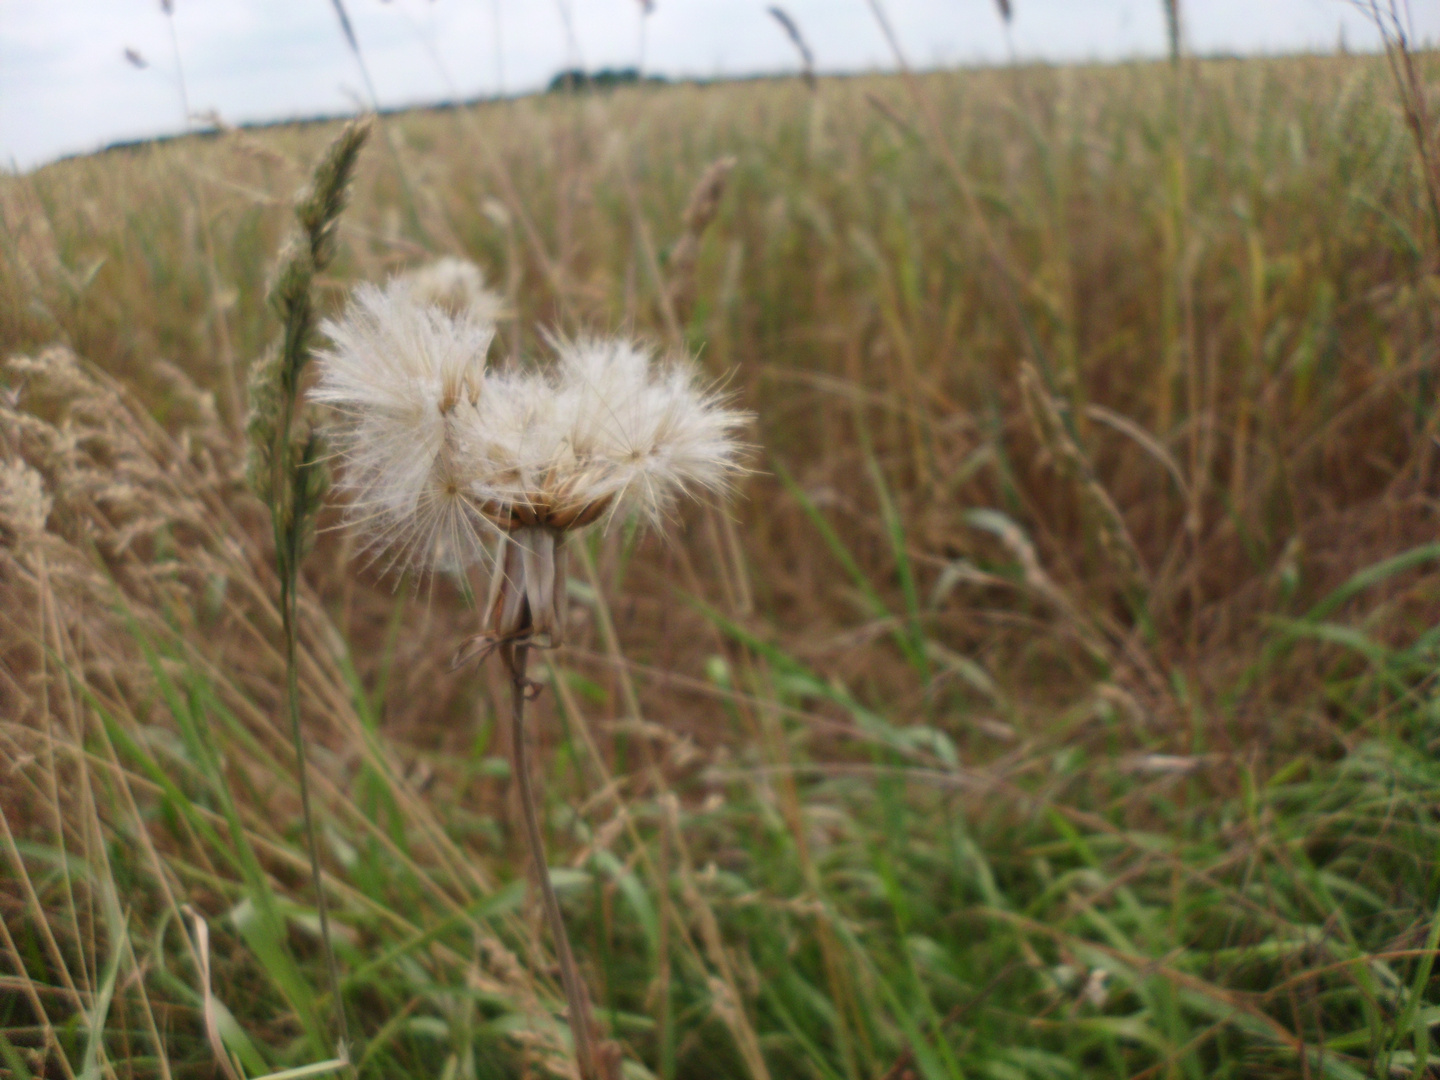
column 292, row 699
column 287, row 465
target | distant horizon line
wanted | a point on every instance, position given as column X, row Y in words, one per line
column 207, row 129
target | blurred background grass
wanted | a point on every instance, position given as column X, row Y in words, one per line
column 1056, row 699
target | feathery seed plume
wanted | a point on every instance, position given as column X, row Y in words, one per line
column 454, row 284
column 446, row 460
column 405, row 377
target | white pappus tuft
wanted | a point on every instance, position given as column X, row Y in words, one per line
column 405, row 378
column 442, row 454
column 640, row 433
column 457, row 285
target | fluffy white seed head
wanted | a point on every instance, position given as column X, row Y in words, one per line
column 456, row 285
column 640, row 432
column 441, row 453
column 405, row 377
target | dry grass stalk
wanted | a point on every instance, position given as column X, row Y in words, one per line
column 725, row 1001
column 25, row 231
column 287, row 468
column 1173, row 28
column 1049, row 421
column 1394, row 26
column 1010, row 278
column 700, row 211
column 792, row 31
column 223, row 1057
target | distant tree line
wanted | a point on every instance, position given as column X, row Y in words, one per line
column 573, row 80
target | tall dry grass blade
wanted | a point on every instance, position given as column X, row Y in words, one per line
column 29, row 243
column 1395, row 27
column 700, row 211
column 1050, row 421
column 573, row 59
column 671, row 923
column 1012, row 282
column 725, row 998
column 168, row 7
column 792, row 31
column 677, row 301
column 1183, row 362
column 348, row 30
column 1173, row 28
column 209, row 1011
column 402, row 171
column 647, row 8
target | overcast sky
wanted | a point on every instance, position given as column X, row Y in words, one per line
column 66, row 85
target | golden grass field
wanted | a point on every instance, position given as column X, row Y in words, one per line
column 1055, row 698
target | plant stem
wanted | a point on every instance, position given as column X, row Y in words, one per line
column 582, row 1024
column 292, row 696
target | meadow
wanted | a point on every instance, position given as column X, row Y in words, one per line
column 1055, row 698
